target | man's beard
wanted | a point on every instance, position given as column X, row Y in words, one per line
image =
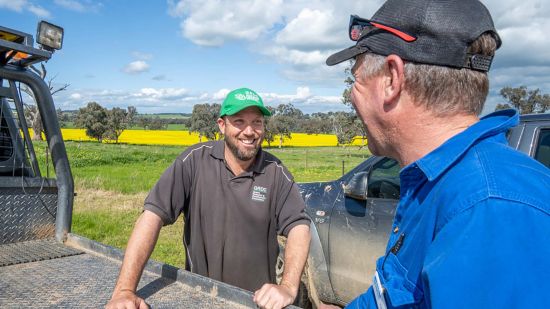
column 243, row 155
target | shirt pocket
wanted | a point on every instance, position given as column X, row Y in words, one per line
column 400, row 290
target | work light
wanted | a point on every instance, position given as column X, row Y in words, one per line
column 49, row 36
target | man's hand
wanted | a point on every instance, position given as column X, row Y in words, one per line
column 273, row 296
column 126, row 300
column 141, row 244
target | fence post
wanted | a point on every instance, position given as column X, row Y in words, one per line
column 343, row 167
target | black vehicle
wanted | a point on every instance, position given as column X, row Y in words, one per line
column 352, row 216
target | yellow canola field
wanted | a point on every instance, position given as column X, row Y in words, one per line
column 153, row 137
column 74, row 135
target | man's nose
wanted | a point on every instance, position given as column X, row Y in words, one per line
column 248, row 130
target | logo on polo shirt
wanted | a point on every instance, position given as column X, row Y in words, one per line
column 259, row 194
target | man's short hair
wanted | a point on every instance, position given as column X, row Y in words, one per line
column 440, row 89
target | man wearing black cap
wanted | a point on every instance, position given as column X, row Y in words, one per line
column 236, row 198
column 473, row 224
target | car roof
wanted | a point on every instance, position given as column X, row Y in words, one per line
column 534, row 117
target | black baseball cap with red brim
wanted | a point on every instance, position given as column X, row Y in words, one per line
column 423, row 31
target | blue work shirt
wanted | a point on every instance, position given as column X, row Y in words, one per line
column 474, row 223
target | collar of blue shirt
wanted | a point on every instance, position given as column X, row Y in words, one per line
column 439, row 160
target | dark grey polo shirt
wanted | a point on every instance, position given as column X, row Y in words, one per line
column 231, row 222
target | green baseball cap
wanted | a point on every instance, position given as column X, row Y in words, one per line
column 241, row 98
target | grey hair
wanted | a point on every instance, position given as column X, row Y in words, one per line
column 442, row 90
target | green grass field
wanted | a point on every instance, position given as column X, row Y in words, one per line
column 164, row 116
column 112, row 180
column 176, row 127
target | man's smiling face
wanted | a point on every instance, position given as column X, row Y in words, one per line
column 244, row 132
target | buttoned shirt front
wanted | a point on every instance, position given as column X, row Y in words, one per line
column 472, row 228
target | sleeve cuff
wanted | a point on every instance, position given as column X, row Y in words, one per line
column 159, row 212
column 289, row 227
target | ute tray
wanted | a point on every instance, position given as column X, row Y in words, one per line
column 82, row 273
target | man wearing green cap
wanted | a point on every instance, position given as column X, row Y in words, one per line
column 235, row 199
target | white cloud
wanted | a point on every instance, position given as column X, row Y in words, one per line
column 162, row 94
column 214, row 22
column 511, row 13
column 71, row 5
column 303, row 93
column 14, row 5
column 220, row 94
column 39, row 11
column 75, row 96
column 305, row 101
column 79, row 6
column 24, row 5
column 311, row 30
column 136, row 67
column 300, row 34
column 204, row 97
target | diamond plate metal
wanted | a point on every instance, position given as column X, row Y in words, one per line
column 34, row 250
column 27, row 214
column 87, row 281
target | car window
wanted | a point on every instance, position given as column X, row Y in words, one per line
column 384, row 180
column 542, row 154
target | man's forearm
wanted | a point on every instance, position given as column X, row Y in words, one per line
column 296, row 251
column 139, row 249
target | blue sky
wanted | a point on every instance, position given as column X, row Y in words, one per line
column 166, row 56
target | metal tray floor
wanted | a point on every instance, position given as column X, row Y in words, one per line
column 87, row 281
column 34, row 250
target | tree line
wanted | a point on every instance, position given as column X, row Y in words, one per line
column 526, row 101
column 285, row 119
column 101, row 123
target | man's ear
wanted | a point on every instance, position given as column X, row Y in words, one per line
column 394, row 78
column 221, row 125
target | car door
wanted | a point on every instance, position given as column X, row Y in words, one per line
column 542, row 148
column 360, row 227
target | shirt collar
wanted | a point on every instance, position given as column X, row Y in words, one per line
column 440, row 159
column 257, row 166
column 217, row 151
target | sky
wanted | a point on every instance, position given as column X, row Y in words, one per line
column 166, row 56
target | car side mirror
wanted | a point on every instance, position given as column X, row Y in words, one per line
column 357, row 186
